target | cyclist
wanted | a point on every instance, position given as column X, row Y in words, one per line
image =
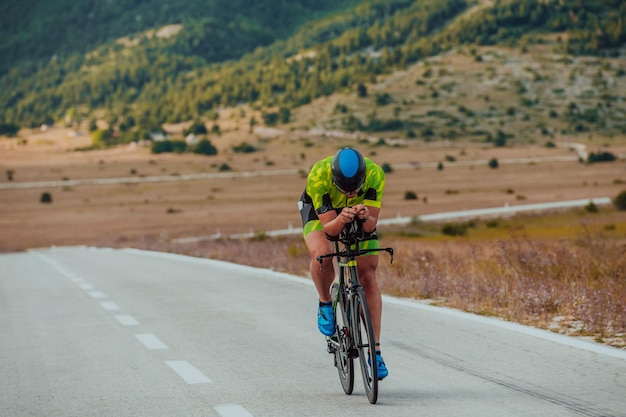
column 338, row 189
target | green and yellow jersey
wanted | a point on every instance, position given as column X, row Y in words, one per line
column 321, row 195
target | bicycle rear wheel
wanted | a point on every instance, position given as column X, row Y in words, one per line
column 366, row 345
column 343, row 358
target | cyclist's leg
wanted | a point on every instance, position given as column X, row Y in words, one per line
column 317, row 245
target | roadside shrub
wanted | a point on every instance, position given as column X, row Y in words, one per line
column 454, row 229
column 493, row 163
column 10, row 174
column 410, row 195
column 620, row 201
column 46, row 198
column 225, row 167
column 386, row 168
column 591, row 208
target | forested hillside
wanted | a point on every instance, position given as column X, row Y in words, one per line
column 145, row 63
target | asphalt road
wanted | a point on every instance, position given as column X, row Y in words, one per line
column 99, row 332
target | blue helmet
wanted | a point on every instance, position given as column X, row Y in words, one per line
column 348, row 168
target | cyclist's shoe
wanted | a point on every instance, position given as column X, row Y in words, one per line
column 326, row 319
column 380, row 363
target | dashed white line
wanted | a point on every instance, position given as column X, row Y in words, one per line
column 232, row 410
column 151, row 341
column 86, row 286
column 96, row 294
column 127, row 320
column 109, row 305
column 188, row 372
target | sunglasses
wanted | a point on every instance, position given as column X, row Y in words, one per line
column 349, row 192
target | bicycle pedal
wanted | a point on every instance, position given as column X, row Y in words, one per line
column 330, row 348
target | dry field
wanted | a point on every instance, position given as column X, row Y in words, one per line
column 88, row 214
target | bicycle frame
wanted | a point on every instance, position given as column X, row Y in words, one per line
column 352, row 312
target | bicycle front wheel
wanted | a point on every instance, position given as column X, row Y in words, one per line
column 366, row 344
column 343, row 355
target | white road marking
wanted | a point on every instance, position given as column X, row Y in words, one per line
column 109, row 305
column 232, row 410
column 96, row 294
column 86, row 286
column 188, row 372
column 78, row 280
column 151, row 341
column 127, row 320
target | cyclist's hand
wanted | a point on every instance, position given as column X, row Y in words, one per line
column 361, row 211
column 347, row 215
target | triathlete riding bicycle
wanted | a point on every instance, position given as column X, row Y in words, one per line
column 338, row 189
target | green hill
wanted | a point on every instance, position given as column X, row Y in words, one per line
column 145, row 63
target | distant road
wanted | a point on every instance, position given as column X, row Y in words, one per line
column 435, row 217
column 103, row 332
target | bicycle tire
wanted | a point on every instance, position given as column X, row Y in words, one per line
column 366, row 344
column 343, row 359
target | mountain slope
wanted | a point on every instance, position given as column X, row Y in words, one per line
column 146, row 80
column 33, row 30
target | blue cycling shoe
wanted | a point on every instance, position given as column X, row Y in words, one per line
column 326, row 319
column 380, row 364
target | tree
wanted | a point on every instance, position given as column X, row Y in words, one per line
column 205, row 147
column 361, row 91
column 9, row 129
column 500, row 139
column 197, row 128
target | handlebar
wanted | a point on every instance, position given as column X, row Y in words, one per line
column 350, row 236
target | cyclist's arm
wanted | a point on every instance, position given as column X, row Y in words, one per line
column 333, row 223
column 369, row 214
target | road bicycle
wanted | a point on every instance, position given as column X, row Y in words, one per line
column 354, row 334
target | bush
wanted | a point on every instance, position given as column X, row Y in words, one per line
column 410, row 195
column 244, row 147
column 600, row 157
column 454, row 229
column 9, row 129
column 205, row 147
column 620, row 201
column 387, row 168
column 46, row 198
column 166, row 146
column 493, row 163
column 500, row 140
column 591, row 208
